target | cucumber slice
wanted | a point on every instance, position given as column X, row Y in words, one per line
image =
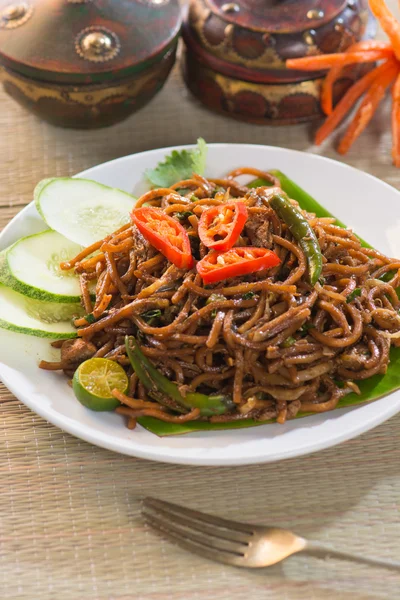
column 33, row 317
column 31, row 267
column 82, row 210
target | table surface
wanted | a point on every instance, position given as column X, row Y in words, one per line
column 70, row 524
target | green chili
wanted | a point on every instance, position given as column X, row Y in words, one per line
column 161, row 389
column 302, row 231
column 259, row 182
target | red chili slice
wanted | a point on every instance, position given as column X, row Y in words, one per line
column 220, row 226
column 217, row 266
column 165, row 234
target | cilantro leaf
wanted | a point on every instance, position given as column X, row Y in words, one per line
column 356, row 292
column 179, row 165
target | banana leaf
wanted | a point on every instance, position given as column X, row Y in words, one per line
column 373, row 388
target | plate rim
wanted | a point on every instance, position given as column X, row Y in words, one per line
column 101, row 439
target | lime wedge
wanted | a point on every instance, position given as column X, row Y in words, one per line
column 94, row 381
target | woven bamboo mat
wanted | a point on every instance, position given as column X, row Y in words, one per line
column 70, row 526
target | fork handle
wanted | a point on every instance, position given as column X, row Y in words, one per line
column 327, row 550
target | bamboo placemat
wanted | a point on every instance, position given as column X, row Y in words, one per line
column 70, row 526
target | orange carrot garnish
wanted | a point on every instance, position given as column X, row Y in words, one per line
column 374, row 84
column 368, row 106
column 396, row 122
column 327, row 61
column 347, row 102
column 388, row 22
column 335, row 72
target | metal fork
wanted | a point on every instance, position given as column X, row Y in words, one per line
column 238, row 544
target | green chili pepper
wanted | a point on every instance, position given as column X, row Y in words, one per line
column 353, row 294
column 259, row 182
column 302, row 231
column 163, row 390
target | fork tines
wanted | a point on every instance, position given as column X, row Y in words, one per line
column 212, row 537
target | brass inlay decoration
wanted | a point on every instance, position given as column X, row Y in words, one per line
column 97, row 44
column 15, row 15
column 230, row 7
column 315, row 13
column 309, row 37
column 339, row 25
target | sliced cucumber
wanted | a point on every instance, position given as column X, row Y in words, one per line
column 31, row 267
column 33, row 317
column 82, row 210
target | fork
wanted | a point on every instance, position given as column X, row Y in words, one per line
column 238, row 544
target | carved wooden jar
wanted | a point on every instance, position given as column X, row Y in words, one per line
column 86, row 63
column 234, row 61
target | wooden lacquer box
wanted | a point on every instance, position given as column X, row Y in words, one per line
column 86, row 63
column 234, row 61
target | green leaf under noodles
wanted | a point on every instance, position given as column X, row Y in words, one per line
column 373, row 388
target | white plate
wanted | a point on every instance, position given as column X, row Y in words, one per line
column 363, row 202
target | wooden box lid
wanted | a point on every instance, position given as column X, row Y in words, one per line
column 86, row 41
column 251, row 39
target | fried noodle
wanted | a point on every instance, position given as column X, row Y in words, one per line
column 273, row 343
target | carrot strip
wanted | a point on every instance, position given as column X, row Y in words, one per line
column 396, row 122
column 347, row 102
column 368, row 106
column 327, row 61
column 335, row 72
column 388, row 22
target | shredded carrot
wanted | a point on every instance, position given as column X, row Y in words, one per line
column 396, row 122
column 327, row 61
column 388, row 22
column 368, row 106
column 335, row 72
column 347, row 102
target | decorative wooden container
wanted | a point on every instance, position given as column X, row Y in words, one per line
column 235, row 55
column 86, row 63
